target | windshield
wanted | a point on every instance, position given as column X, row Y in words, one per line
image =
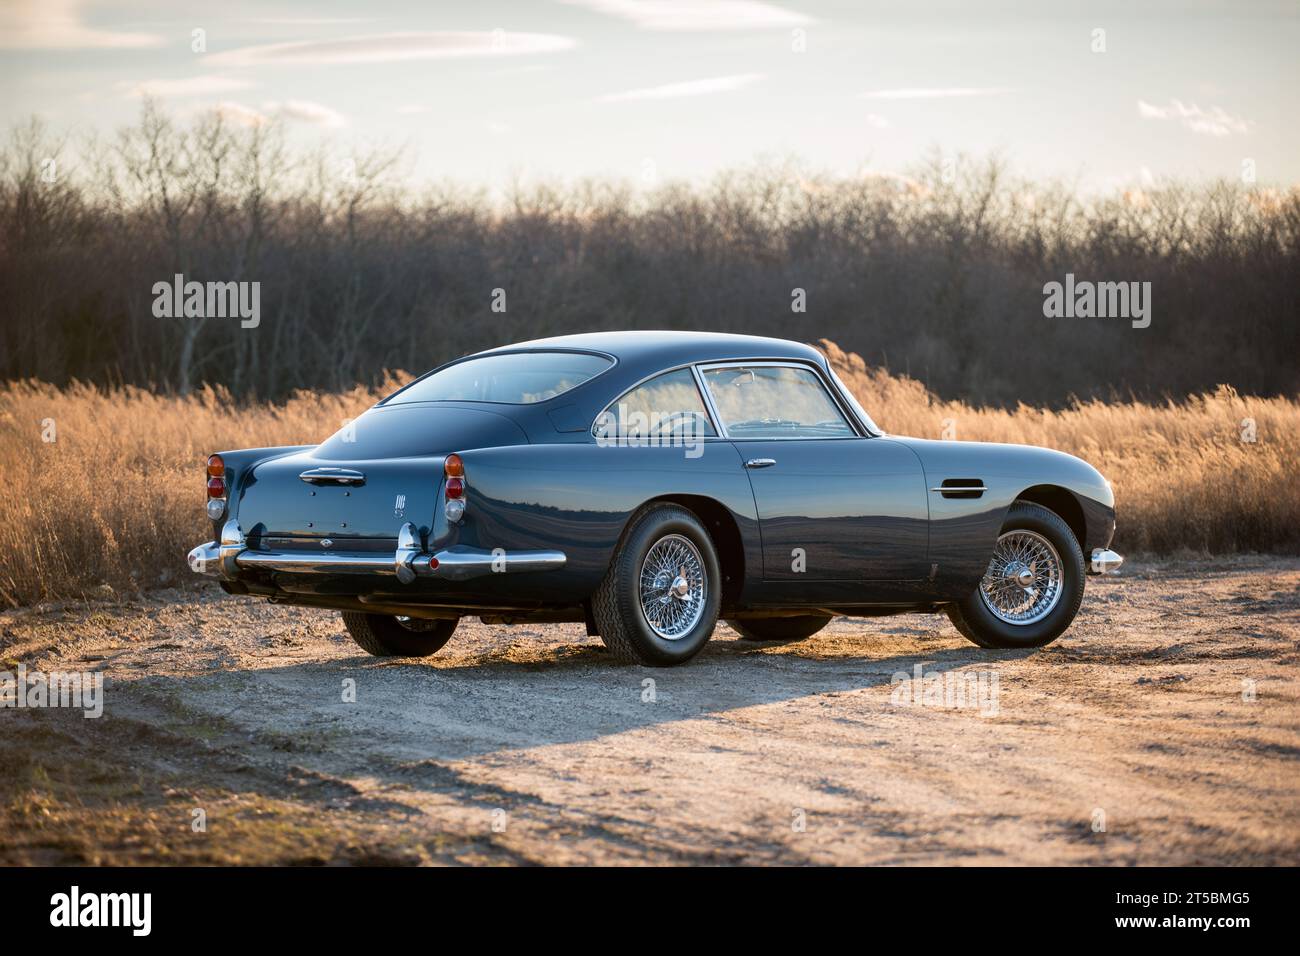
column 512, row 378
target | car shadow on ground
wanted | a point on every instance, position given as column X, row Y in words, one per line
column 286, row 732
column 413, row 709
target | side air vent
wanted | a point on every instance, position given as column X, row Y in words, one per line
column 961, row 488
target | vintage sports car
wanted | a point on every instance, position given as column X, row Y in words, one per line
column 648, row 484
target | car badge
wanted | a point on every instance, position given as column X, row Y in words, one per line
column 325, row 542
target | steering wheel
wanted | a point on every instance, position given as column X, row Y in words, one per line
column 681, row 416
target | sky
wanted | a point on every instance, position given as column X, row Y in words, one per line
column 1102, row 95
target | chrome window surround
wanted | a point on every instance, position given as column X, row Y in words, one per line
column 861, row 428
column 850, row 419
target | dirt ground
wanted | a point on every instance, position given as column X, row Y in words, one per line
column 1164, row 727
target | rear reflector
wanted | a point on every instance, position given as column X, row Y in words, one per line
column 455, row 487
column 216, row 488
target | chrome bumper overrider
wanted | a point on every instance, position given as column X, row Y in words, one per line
column 1104, row 560
column 224, row 558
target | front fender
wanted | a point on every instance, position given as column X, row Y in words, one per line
column 963, row 530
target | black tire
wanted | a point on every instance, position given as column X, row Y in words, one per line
column 780, row 628
column 386, row 636
column 978, row 624
column 616, row 605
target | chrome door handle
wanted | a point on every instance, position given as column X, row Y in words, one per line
column 760, row 463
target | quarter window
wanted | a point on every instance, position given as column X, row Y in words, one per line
column 774, row 401
column 667, row 406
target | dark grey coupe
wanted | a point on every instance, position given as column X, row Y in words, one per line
column 648, row 484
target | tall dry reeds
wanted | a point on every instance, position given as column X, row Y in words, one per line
column 115, row 500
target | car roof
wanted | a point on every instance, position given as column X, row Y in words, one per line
column 638, row 356
column 666, row 348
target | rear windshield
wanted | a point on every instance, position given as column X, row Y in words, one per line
column 518, row 378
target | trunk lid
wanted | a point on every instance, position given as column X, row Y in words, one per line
column 361, row 485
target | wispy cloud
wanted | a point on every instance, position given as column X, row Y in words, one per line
column 392, row 47
column 935, row 93
column 1215, row 121
column 240, row 114
column 303, row 111
column 716, row 84
column 308, row 21
column 61, row 25
column 205, row 85
column 696, row 15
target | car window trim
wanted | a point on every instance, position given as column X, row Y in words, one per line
column 699, row 387
column 860, row 431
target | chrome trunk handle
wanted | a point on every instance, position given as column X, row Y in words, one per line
column 333, row 476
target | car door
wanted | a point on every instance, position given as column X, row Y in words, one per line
column 834, row 504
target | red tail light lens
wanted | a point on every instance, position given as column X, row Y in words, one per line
column 216, row 487
column 216, row 467
column 454, row 489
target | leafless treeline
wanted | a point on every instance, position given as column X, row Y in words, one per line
column 941, row 279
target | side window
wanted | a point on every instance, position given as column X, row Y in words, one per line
column 774, row 401
column 667, row 406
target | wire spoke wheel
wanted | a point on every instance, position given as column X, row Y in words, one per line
column 673, row 587
column 1024, row 580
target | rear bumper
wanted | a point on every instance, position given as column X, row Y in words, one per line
column 225, row 558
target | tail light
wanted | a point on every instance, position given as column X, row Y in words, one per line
column 216, row 487
column 453, row 489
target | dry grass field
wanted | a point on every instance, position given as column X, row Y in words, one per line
column 114, row 501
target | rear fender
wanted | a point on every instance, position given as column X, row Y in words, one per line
column 578, row 498
column 239, row 464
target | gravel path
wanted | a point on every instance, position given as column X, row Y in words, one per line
column 1163, row 728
